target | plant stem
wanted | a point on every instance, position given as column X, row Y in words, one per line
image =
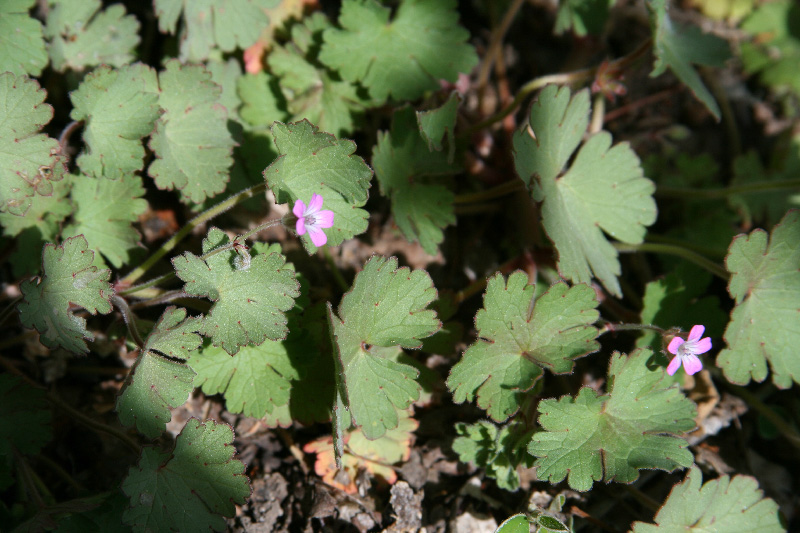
column 258, row 229
column 163, row 298
column 777, row 420
column 609, row 327
column 9, row 310
column 184, row 231
column 60, row 472
column 671, row 249
column 92, row 423
column 63, row 139
column 598, row 114
column 146, row 285
column 723, row 192
column 718, row 253
column 130, row 320
column 30, row 482
column 337, row 274
column 495, row 43
column 508, row 187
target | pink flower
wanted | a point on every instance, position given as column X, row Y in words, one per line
column 311, row 219
column 686, row 351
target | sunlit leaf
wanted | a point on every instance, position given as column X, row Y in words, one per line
column 722, row 504
column 401, row 58
column 68, row 279
column 765, row 282
column 518, row 339
column 603, row 190
column 385, row 308
column 610, row 437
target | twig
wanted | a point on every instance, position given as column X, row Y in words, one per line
column 187, row 229
column 689, row 255
column 93, row 424
column 130, row 320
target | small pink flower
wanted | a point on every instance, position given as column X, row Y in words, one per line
column 311, row 219
column 686, row 351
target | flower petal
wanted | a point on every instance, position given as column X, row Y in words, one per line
column 692, row 364
column 315, row 204
column 702, row 346
column 674, row 365
column 324, row 219
column 301, row 226
column 318, row 236
column 674, row 344
column 696, row 332
column 299, row 209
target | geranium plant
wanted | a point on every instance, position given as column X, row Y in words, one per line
column 567, row 272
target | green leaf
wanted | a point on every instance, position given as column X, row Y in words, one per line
column 41, row 224
column 189, row 488
column 29, row 161
column 280, row 381
column 311, row 162
column 386, row 307
column 226, row 74
column 249, row 303
column 68, row 279
column 582, row 16
column 765, row 283
column 722, row 504
column 678, row 47
column 191, row 139
column 774, row 50
column 514, row 524
column 499, row 450
column 24, row 423
column 224, row 24
column 438, row 124
column 612, row 436
column 262, row 101
column 313, row 94
column 175, row 335
column 402, row 162
column 249, row 382
column 401, row 58
column 155, row 386
column 678, row 299
column 21, row 41
column 310, row 90
column 83, row 36
column 517, row 339
column 602, row 191
column 104, row 212
column 118, row 107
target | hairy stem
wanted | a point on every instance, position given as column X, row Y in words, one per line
column 671, row 249
column 763, row 409
column 92, row 423
column 498, row 191
column 187, row 229
column 609, row 327
column 723, row 192
column 130, row 320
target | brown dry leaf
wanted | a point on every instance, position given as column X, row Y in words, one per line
column 373, row 456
